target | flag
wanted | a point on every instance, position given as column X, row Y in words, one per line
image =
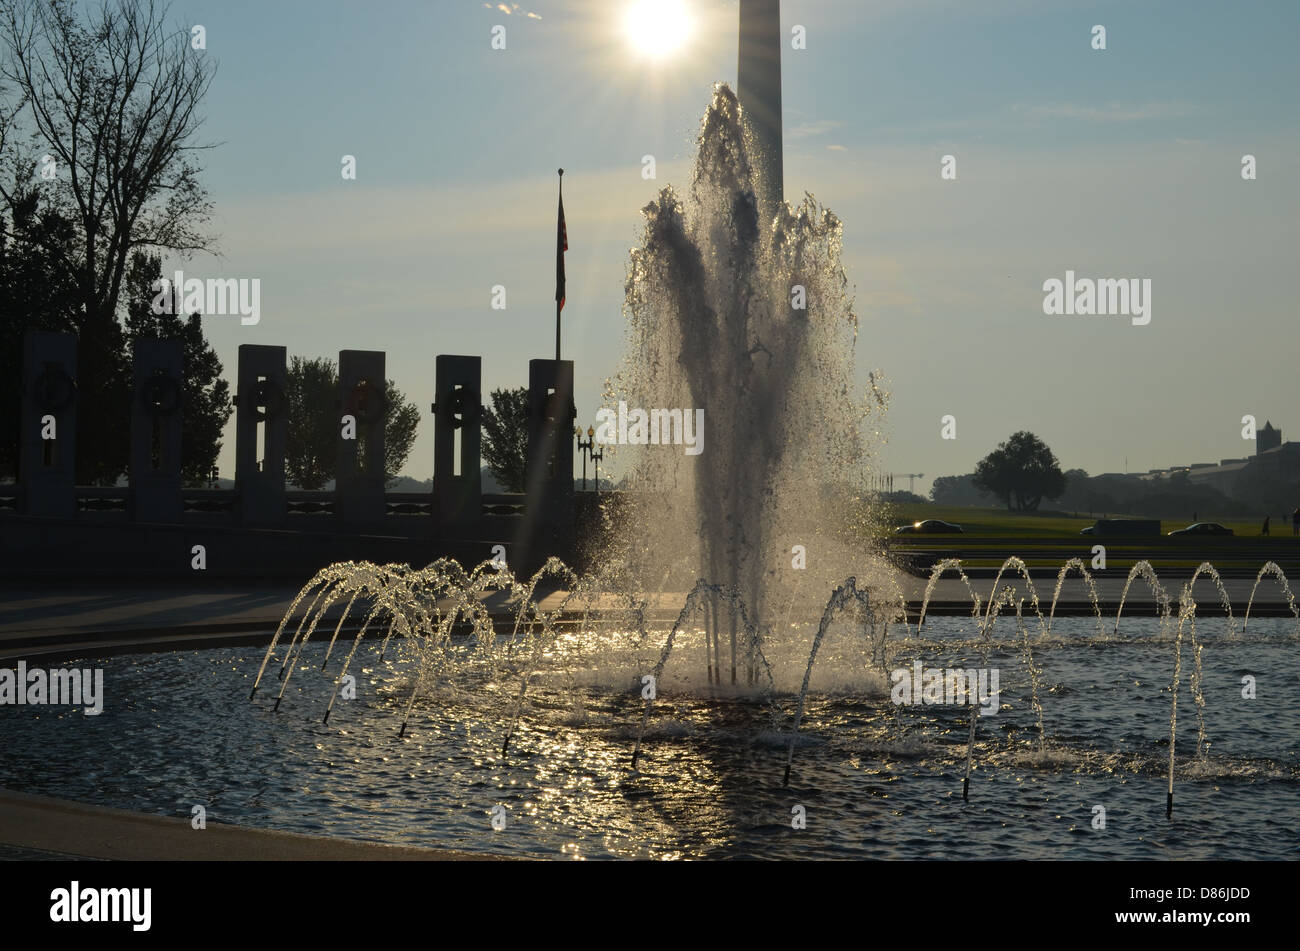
column 561, row 245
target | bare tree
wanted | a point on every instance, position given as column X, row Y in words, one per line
column 116, row 103
column 109, row 106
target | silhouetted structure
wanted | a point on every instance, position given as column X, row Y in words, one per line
column 47, row 451
column 157, row 527
column 457, row 441
column 260, row 430
column 155, row 461
column 359, row 474
column 758, row 86
column 1267, row 438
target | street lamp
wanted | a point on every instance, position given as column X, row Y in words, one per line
column 596, row 456
column 589, row 451
column 585, row 448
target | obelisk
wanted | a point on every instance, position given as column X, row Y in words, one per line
column 759, row 88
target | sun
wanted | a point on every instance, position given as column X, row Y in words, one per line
column 658, row 28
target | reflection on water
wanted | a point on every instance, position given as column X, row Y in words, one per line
column 874, row 780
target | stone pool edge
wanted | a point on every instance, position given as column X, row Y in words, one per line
column 77, row 830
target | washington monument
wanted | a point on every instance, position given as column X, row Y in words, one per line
column 758, row 85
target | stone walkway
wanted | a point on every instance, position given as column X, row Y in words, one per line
column 60, row 829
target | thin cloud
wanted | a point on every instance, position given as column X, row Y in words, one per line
column 1110, row 112
column 512, row 10
column 807, row 130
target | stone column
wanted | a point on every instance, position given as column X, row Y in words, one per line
column 47, row 458
column 548, row 515
column 155, row 467
column 457, row 482
column 259, row 456
column 359, row 474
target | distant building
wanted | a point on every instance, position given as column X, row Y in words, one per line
column 1220, row 477
column 1267, row 438
column 1273, row 458
column 1275, row 463
column 1281, row 461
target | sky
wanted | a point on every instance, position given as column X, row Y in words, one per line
column 1116, row 163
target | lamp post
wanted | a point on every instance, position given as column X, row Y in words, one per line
column 596, row 456
column 585, row 448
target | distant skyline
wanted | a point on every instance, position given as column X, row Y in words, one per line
column 1122, row 163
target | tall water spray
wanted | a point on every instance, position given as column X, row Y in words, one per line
column 750, row 320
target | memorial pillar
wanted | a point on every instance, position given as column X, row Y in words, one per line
column 47, row 458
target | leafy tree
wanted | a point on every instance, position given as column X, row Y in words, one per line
column 957, row 490
column 205, row 396
column 1021, row 470
column 311, row 408
column 505, row 437
column 401, row 419
column 35, row 294
column 311, row 438
column 107, row 99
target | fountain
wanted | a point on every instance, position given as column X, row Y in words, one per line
column 736, row 304
column 622, row 712
column 711, row 324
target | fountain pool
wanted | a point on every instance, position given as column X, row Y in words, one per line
column 871, row 779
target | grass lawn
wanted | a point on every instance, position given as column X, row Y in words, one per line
column 992, row 522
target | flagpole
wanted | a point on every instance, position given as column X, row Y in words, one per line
column 559, row 304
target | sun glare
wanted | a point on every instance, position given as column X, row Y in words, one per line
column 658, row 27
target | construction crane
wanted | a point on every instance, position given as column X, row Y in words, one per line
column 911, row 477
column 885, row 483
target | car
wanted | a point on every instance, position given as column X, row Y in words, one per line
column 930, row 526
column 1203, row 528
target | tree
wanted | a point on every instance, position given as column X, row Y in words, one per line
column 311, row 403
column 205, row 396
column 401, row 419
column 505, row 437
column 311, row 439
column 35, row 294
column 957, row 490
column 1022, row 470
column 109, row 106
